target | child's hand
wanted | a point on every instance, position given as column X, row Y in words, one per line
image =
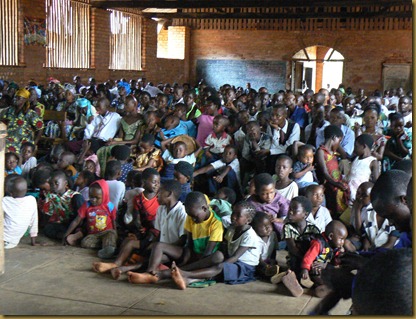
column 317, row 267
column 86, row 145
column 218, row 179
column 305, row 274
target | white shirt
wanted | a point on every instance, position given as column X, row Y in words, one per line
column 171, row 224
column 117, row 190
column 28, row 165
column 267, row 248
column 103, row 127
column 276, row 147
column 322, row 218
column 128, row 198
column 19, row 215
column 235, row 166
column 248, row 239
column 168, row 158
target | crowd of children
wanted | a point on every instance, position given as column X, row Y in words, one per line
column 198, row 185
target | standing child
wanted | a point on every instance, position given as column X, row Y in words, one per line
column 336, row 190
column 101, row 215
column 82, row 183
column 12, row 164
column 148, row 155
column 303, row 169
column 117, row 188
column 320, row 215
column 268, row 200
column 20, row 212
column 284, row 185
column 29, row 161
column 183, row 173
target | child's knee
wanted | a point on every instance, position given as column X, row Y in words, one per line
column 217, row 257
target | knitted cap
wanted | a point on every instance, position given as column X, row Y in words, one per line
column 185, row 169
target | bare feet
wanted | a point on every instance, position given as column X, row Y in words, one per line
column 103, row 267
column 177, row 277
column 116, row 273
column 142, row 278
column 291, row 283
column 72, row 239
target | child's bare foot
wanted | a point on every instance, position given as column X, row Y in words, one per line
column 177, row 277
column 116, row 273
column 103, row 267
column 142, row 278
column 72, row 239
column 291, row 283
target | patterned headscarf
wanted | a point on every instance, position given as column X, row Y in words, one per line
column 125, row 85
column 25, row 94
column 82, row 103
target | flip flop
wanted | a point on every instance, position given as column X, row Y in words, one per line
column 307, row 283
column 292, row 284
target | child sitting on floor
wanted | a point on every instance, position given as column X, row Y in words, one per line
column 100, row 215
column 117, row 188
column 216, row 141
column 121, row 153
column 172, row 128
column 148, row 155
column 29, row 161
column 303, row 169
column 320, row 215
column 82, row 183
column 65, row 163
column 222, row 204
column 20, row 212
column 170, row 220
column 12, row 164
column 284, row 185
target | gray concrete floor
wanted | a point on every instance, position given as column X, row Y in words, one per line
column 57, row 280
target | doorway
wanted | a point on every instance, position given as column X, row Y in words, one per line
column 316, row 67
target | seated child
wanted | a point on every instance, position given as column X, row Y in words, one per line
column 320, row 215
column 303, row 169
column 206, row 120
column 222, row 204
column 172, row 129
column 121, row 153
column 216, row 141
column 65, row 163
column 148, row 155
column 204, row 234
column 180, row 111
column 298, row 232
column 100, row 215
column 134, row 183
column 174, row 154
column 29, row 161
column 91, row 166
column 263, row 227
column 87, row 155
column 61, row 205
column 170, row 220
column 267, row 199
column 224, row 172
column 322, row 251
column 12, row 164
column 117, row 188
column 183, row 173
column 241, row 258
column 284, row 185
column 20, row 212
column 82, row 183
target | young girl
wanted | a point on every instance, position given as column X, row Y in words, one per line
column 82, row 183
column 284, row 185
column 206, row 120
column 365, row 167
column 320, row 215
column 148, row 155
column 263, row 227
column 12, row 164
column 61, row 204
column 183, row 173
column 28, row 160
column 268, row 200
column 336, row 190
column 399, row 146
column 243, row 254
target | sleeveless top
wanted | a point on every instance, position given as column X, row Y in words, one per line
column 130, row 129
column 360, row 172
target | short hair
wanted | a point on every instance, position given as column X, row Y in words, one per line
column 389, row 185
column 222, row 120
column 70, row 155
column 404, row 165
column 229, row 193
column 332, row 131
column 311, row 188
column 173, row 186
column 41, row 176
column 333, row 226
column 112, row 168
column 395, row 116
column 215, row 100
column 88, row 176
column 61, row 174
column 104, row 101
column 374, row 106
column 304, row 148
column 9, row 183
column 150, row 171
column 233, row 146
column 262, row 179
column 383, row 286
column 28, row 144
column 148, row 139
column 17, row 185
column 304, row 202
column 247, row 206
column 258, row 217
column 365, row 140
column 284, row 157
column 121, row 152
column 10, row 154
column 194, row 198
column 135, row 177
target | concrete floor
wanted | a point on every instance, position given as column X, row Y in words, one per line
column 57, row 280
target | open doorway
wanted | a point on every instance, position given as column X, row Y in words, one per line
column 316, row 67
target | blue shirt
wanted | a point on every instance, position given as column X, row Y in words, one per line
column 300, row 116
column 190, row 127
column 178, row 130
column 347, row 142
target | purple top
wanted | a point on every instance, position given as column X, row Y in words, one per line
column 278, row 208
column 205, row 125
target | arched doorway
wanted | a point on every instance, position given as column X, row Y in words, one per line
column 315, row 67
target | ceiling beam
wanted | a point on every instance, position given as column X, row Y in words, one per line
column 300, row 15
column 187, row 4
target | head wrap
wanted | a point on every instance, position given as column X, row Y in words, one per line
column 106, row 193
column 125, row 85
column 53, row 80
column 13, row 85
column 185, row 169
column 23, row 93
column 85, row 103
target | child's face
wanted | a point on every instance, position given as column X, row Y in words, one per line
column 283, row 168
column 11, row 163
column 218, row 126
column 58, row 184
column 45, row 187
column 151, row 120
column 253, row 132
column 359, row 149
column 363, row 195
column 335, row 142
column 80, row 181
column 278, row 117
column 370, row 118
column 130, row 107
column 397, row 126
column 229, row 155
column 152, row 184
column 210, row 108
column 189, row 100
column 96, row 196
column 296, row 212
column 145, row 147
column 266, row 193
column 220, row 195
column 27, row 152
column 171, row 122
column 317, row 196
column 336, row 118
column 264, row 228
column 306, row 157
column 239, row 216
column 337, row 238
column 197, row 213
column 253, row 109
column 63, row 162
column 243, row 117
column 405, row 105
column 163, row 196
column 101, row 108
column 90, row 166
column 179, row 150
column 180, row 177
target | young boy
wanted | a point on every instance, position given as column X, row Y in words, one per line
column 320, row 215
column 303, row 169
column 284, row 184
column 183, row 173
column 29, row 161
column 117, row 188
column 12, row 164
column 20, row 212
column 122, row 153
column 216, row 141
column 101, row 216
column 204, row 234
column 65, row 163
